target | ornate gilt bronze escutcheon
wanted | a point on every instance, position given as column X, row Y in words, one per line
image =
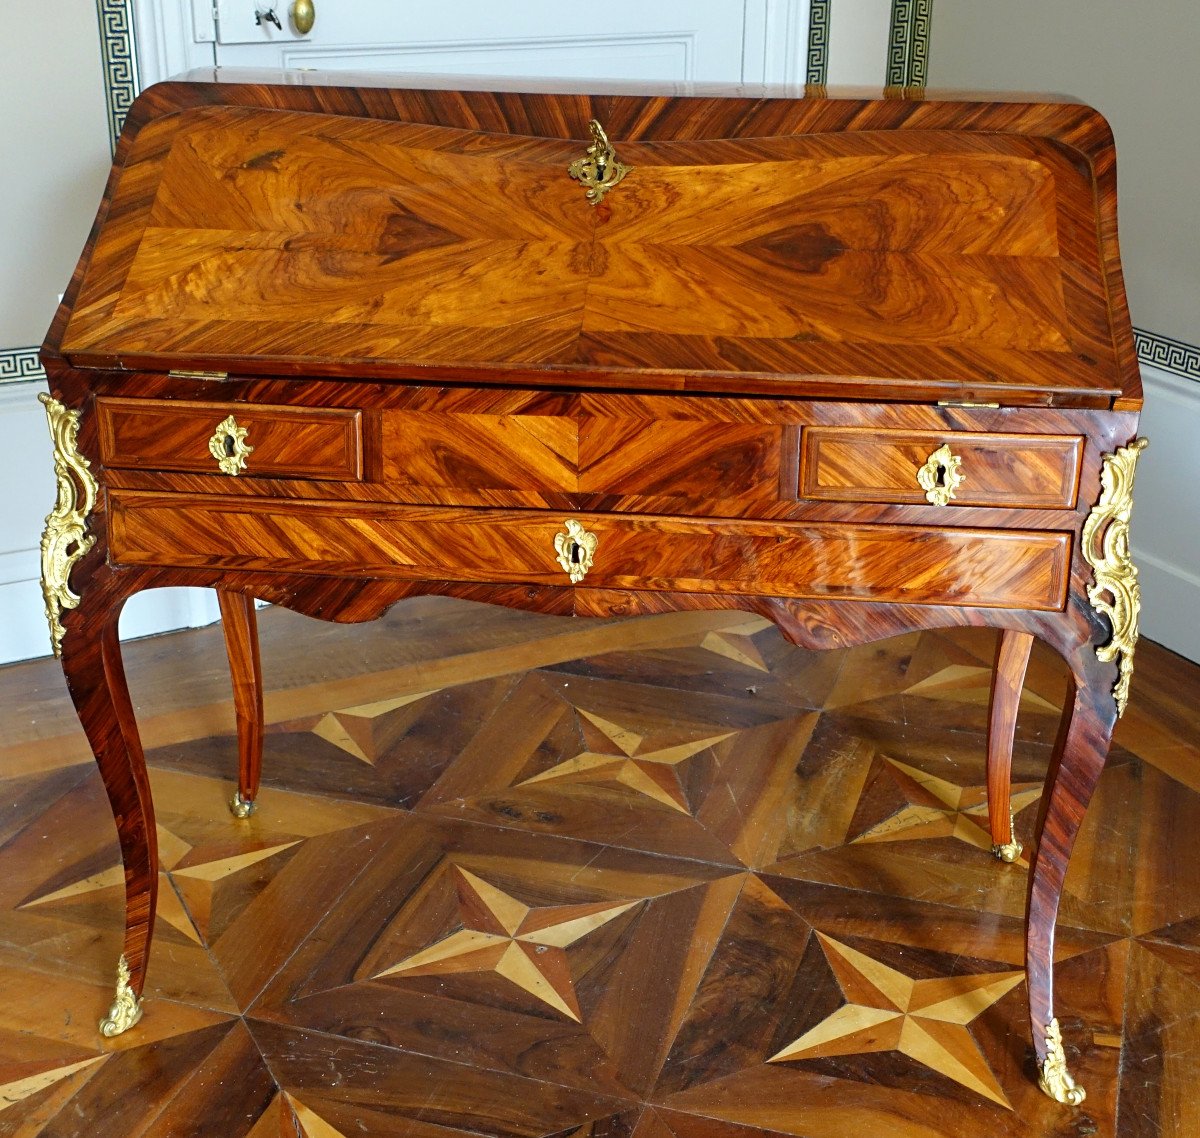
column 229, row 447
column 1115, row 592
column 126, row 1008
column 941, row 475
column 598, row 170
column 65, row 539
column 576, row 548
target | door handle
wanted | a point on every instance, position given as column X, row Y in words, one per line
column 303, row 15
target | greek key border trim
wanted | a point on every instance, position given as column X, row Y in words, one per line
column 818, row 43
column 19, row 365
column 1170, row 355
column 118, row 54
column 908, row 43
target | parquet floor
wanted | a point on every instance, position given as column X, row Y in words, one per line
column 527, row 877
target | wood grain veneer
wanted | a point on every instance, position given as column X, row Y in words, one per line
column 854, row 464
column 728, row 371
column 972, row 261
column 288, row 442
column 990, row 568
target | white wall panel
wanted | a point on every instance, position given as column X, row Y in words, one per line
column 1165, row 532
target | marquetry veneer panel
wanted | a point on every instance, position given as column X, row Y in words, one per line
column 735, row 258
column 583, row 454
column 288, row 442
column 856, row 464
column 989, row 568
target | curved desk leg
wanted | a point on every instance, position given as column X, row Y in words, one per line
column 1012, row 659
column 91, row 661
column 1079, row 754
column 241, row 645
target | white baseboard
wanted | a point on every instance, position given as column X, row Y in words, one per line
column 1165, row 532
column 24, row 634
column 1170, row 605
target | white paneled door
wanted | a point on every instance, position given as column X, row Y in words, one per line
column 620, row 39
column 726, row 41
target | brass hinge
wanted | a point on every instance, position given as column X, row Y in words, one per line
column 180, row 373
column 964, row 403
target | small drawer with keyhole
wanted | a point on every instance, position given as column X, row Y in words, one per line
column 858, row 464
column 231, row 440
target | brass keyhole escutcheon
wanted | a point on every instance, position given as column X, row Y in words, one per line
column 575, row 548
column 599, row 169
column 941, row 475
column 229, row 447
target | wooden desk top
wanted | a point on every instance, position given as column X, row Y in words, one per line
column 344, row 230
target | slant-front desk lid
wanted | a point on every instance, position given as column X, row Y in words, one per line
column 895, row 248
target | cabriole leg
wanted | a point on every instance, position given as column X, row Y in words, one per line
column 1075, row 768
column 241, row 645
column 1008, row 677
column 91, row 660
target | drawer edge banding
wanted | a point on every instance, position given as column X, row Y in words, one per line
column 1017, row 569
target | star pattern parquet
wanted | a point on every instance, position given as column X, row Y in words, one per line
column 516, row 877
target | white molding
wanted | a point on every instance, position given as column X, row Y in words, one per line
column 1165, row 530
column 1168, row 381
column 755, row 41
column 156, row 611
column 1170, row 605
column 302, row 53
column 20, row 565
column 786, row 59
column 166, row 32
column 21, row 396
column 24, row 634
column 775, row 41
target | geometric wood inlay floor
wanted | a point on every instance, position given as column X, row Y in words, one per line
column 667, row 878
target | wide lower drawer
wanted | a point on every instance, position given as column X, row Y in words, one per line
column 858, row 464
column 965, row 567
column 254, row 441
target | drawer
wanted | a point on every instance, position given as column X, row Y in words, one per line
column 286, row 442
column 857, row 464
column 963, row 567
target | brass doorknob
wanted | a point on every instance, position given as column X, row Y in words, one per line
column 303, row 16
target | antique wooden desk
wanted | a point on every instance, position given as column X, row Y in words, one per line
column 860, row 365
